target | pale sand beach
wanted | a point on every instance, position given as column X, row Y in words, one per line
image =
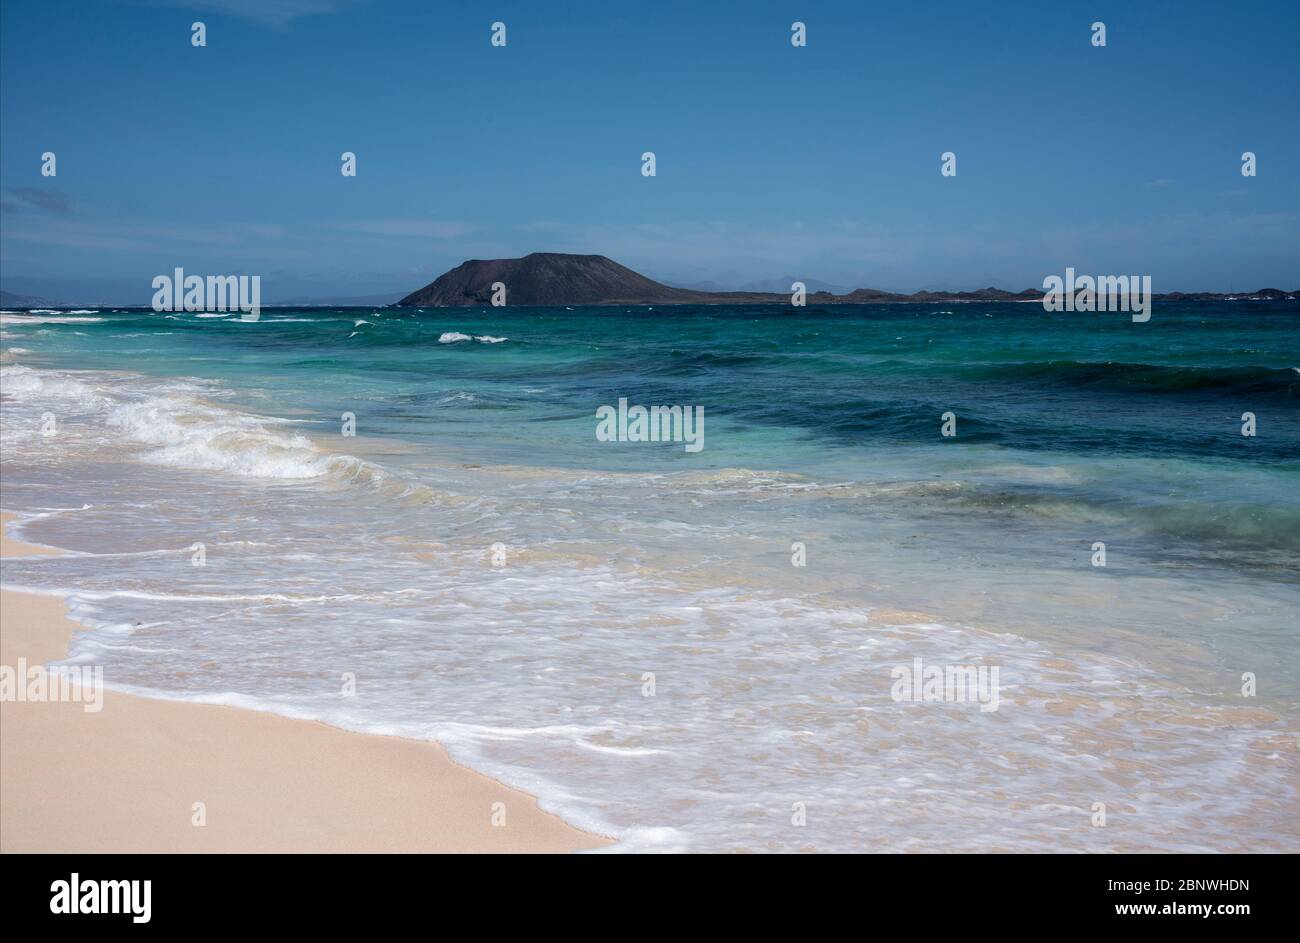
column 125, row 779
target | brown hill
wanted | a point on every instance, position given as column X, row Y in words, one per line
column 547, row 278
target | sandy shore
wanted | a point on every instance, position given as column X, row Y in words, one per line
column 127, row 778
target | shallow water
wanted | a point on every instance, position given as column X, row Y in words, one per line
column 372, row 555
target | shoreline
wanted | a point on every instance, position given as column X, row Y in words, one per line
column 127, row 778
column 1217, row 768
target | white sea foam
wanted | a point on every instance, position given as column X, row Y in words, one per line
column 51, row 386
column 455, row 337
column 534, row 675
column 40, row 318
column 190, row 434
column 182, row 429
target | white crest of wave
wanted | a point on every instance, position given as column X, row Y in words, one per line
column 455, row 337
column 182, row 428
column 188, row 433
column 42, row 318
column 24, row 383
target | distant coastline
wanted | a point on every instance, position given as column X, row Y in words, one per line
column 553, row 278
column 549, row 279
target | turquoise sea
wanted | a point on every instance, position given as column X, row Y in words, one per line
column 621, row 627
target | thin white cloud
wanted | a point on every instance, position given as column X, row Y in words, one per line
column 413, row 228
column 268, row 12
column 78, row 233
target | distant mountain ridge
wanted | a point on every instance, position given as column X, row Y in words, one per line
column 556, row 278
column 10, row 300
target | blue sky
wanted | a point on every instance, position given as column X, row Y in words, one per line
column 819, row 163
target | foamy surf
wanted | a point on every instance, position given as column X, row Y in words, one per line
column 37, row 318
column 455, row 337
column 182, row 430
